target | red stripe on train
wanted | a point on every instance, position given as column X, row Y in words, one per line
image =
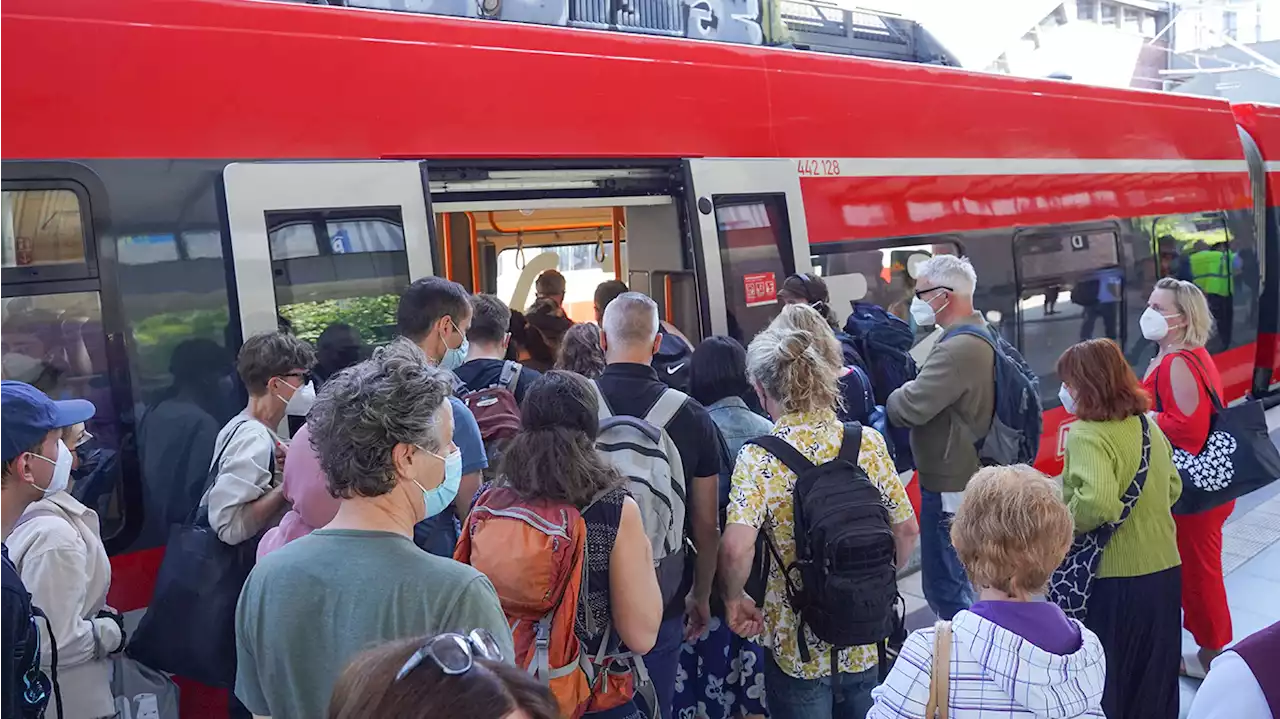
column 850, row 208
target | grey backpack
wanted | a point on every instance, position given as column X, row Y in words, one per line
column 643, row 452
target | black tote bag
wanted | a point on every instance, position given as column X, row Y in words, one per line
column 189, row 628
column 1237, row 458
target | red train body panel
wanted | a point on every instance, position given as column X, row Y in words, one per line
column 882, row 149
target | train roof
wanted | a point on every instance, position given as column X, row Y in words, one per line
column 254, row 79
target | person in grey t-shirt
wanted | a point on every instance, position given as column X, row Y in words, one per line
column 381, row 431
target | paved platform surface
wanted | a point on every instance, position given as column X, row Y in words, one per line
column 1250, row 558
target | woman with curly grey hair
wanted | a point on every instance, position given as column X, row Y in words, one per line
column 382, row 433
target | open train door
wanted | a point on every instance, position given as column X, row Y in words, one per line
column 749, row 230
column 326, row 248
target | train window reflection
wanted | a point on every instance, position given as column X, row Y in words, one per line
column 1070, row 289
column 42, row 227
column 884, row 277
column 1199, row 248
column 56, row 343
column 340, row 271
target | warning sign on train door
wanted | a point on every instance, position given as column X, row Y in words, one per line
column 761, row 287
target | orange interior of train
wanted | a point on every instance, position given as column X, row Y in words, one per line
column 502, row 251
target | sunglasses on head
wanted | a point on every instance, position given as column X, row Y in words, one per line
column 454, row 653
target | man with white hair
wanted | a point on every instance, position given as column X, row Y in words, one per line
column 629, row 335
column 948, row 407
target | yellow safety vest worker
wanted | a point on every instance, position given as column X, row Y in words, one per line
column 1211, row 271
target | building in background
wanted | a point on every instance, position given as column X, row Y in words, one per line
column 1228, row 49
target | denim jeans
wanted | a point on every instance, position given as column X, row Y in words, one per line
column 946, row 586
column 792, row 698
column 663, row 662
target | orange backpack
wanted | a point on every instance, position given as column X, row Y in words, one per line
column 535, row 554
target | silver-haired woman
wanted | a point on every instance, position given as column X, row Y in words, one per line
column 382, row 432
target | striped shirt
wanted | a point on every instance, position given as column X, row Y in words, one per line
column 995, row 674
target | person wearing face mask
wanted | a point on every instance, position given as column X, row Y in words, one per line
column 1180, row 380
column 1112, row 452
column 58, row 551
column 435, row 315
column 382, row 433
column 36, row 465
column 948, row 406
column 245, row 498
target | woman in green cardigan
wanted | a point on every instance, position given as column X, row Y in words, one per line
column 1135, row 605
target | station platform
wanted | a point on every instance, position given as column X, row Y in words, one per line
column 1250, row 559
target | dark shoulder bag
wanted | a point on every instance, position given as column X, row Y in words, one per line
column 1238, row 456
column 1071, row 583
column 190, row 627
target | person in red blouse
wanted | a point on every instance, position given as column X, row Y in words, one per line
column 1179, row 380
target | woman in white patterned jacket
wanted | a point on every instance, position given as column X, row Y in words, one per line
column 1010, row 656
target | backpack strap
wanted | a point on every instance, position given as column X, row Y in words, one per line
column 460, row 388
column 790, row 457
column 510, row 375
column 665, row 409
column 37, row 613
column 1202, row 374
column 605, row 411
column 982, row 333
column 1134, row 491
column 851, row 445
column 214, row 470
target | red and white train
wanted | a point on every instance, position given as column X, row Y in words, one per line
column 178, row 174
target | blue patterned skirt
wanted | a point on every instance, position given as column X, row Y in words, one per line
column 721, row 676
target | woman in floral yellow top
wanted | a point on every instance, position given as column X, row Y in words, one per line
column 791, row 368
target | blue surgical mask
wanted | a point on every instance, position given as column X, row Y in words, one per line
column 438, row 499
column 455, row 358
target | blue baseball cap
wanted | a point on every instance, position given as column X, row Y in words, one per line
column 27, row 415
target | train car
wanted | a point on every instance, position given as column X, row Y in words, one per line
column 181, row 174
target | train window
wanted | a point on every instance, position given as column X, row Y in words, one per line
column 57, row 343
column 755, row 252
column 883, row 276
column 338, row 267
column 1201, row 249
column 42, row 228
column 584, row 267
column 1071, row 288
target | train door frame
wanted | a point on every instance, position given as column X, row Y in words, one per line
column 252, row 189
column 709, row 183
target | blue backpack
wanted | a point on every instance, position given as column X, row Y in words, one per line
column 1014, row 437
column 860, row 406
column 884, row 342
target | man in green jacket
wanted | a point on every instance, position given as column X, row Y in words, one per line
column 948, row 407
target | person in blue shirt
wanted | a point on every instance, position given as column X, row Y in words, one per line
column 435, row 314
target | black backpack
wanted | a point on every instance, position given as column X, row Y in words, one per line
column 843, row 583
column 1085, row 293
column 672, row 362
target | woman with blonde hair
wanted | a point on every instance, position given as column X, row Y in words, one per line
column 1008, row 655
column 1120, row 483
column 856, row 400
column 1182, row 381
column 796, row 382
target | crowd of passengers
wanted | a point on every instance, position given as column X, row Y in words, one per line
column 500, row 515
